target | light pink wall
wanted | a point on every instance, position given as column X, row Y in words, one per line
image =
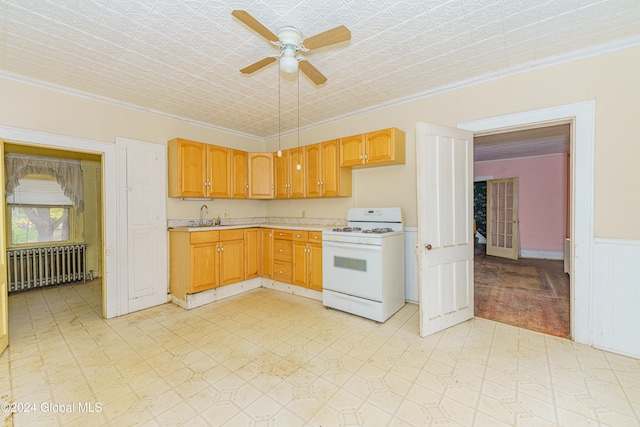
column 542, row 197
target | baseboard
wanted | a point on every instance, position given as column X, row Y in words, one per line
column 291, row 289
column 541, row 254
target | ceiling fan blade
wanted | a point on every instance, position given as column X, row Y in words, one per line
column 255, row 67
column 329, row 37
column 256, row 26
column 312, row 72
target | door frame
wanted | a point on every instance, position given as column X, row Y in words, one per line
column 582, row 117
column 113, row 303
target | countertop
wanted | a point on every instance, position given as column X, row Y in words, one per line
column 308, row 224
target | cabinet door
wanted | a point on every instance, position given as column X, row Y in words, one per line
column 187, row 168
column 231, row 262
column 261, row 175
column 296, row 176
column 300, row 261
column 239, row 174
column 385, row 147
column 315, row 266
column 219, row 169
column 204, row 271
column 281, row 175
column 378, row 146
column 314, row 171
column 331, row 169
column 266, row 265
column 251, row 253
column 351, row 150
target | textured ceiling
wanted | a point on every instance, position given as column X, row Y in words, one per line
column 541, row 141
column 182, row 58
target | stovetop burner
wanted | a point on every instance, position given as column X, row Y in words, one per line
column 348, row 229
column 360, row 230
column 379, row 230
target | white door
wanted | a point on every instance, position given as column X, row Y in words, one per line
column 502, row 218
column 445, row 226
column 144, row 251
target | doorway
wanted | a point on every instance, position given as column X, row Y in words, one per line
column 111, row 294
column 582, row 117
column 530, row 166
column 77, row 241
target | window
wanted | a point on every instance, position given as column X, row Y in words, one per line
column 39, row 212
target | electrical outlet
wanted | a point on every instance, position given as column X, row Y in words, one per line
column 304, row 214
column 227, row 215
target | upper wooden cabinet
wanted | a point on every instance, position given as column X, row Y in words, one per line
column 324, row 175
column 239, row 174
column 219, row 169
column 197, row 169
column 380, row 148
column 289, row 180
column 260, row 175
column 188, row 174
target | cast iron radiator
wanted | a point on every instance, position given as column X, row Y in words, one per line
column 30, row 268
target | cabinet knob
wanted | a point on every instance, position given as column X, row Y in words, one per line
column 428, row 247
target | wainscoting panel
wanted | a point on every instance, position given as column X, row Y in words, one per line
column 616, row 296
column 410, row 264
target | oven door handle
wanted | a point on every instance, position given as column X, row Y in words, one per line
column 359, row 246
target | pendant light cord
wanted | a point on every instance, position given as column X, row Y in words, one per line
column 279, row 118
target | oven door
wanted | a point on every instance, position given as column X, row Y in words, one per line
column 352, row 269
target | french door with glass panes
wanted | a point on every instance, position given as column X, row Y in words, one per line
column 502, row 218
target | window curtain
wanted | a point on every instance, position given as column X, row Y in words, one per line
column 68, row 173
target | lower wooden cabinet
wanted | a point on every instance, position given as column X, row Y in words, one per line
column 282, row 255
column 266, row 250
column 307, row 259
column 252, row 239
column 205, row 260
column 231, row 256
column 202, row 260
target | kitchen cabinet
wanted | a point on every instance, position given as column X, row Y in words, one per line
column 239, row 174
column 219, row 169
column 266, row 249
column 289, row 180
column 193, row 260
column 260, row 175
column 197, row 169
column 324, row 175
column 231, row 256
column 379, row 148
column 282, row 255
column 188, row 175
column 307, row 259
column 204, row 260
column 252, row 239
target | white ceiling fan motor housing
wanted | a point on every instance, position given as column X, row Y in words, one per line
column 290, row 36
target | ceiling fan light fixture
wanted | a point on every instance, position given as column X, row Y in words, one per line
column 288, row 61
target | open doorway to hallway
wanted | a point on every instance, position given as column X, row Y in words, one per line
column 531, row 291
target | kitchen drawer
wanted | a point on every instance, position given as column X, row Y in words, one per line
column 315, row 236
column 282, row 234
column 235, row 234
column 282, row 250
column 204, row 236
column 299, row 236
column 282, row 271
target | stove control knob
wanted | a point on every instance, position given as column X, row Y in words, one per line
column 368, row 240
column 360, row 240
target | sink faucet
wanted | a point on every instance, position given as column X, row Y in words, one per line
column 206, row 211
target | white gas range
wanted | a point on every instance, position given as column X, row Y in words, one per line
column 363, row 263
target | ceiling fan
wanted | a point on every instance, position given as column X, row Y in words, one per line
column 289, row 41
